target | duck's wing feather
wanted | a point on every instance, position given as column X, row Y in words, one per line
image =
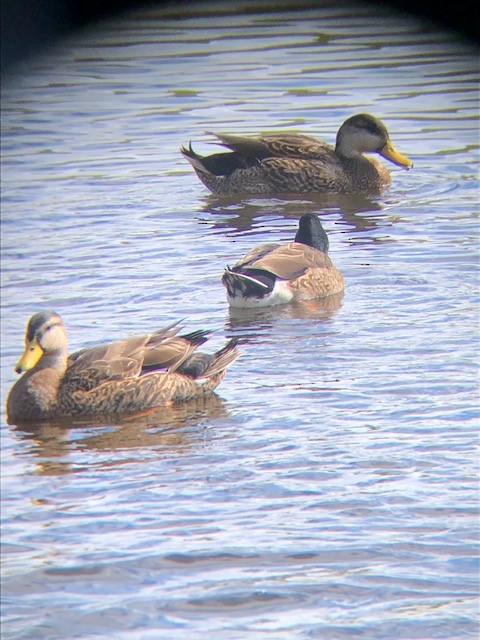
column 129, row 358
column 246, row 147
column 292, row 260
column 129, row 347
column 288, row 145
column 257, row 253
column 118, row 360
column 172, row 352
column 296, row 145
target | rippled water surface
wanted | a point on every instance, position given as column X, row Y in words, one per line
column 328, row 490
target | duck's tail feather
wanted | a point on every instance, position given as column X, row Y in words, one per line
column 254, row 283
column 197, row 161
column 217, row 164
column 203, row 365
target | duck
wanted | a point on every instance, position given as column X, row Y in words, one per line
column 120, row 378
column 273, row 274
column 300, row 163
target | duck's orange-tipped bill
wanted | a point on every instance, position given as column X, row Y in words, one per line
column 32, row 354
column 390, row 153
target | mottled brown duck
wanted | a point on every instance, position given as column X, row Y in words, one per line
column 274, row 274
column 120, row 378
column 297, row 163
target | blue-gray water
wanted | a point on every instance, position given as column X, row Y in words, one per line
column 329, row 489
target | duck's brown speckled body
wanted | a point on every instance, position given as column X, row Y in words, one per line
column 299, row 163
column 120, row 378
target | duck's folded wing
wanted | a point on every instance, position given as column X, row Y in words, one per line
column 252, row 148
column 119, row 360
column 296, row 145
column 126, row 347
column 257, row 253
column 122, row 359
column 292, row 260
column 287, row 145
column 172, row 352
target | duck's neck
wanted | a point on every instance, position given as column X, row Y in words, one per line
column 39, row 386
column 366, row 173
column 55, row 364
column 316, row 238
column 346, row 150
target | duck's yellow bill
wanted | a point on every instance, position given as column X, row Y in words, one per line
column 390, row 153
column 32, row 354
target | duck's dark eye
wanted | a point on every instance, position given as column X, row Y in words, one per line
column 49, row 327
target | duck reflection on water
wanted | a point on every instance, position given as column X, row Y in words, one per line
column 360, row 212
column 250, row 324
column 178, row 428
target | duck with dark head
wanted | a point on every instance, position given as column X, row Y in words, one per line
column 299, row 163
column 274, row 274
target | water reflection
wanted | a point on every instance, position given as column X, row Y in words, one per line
column 248, row 323
column 169, row 427
column 244, row 211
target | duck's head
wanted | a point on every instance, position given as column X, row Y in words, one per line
column 311, row 232
column 363, row 133
column 46, row 334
